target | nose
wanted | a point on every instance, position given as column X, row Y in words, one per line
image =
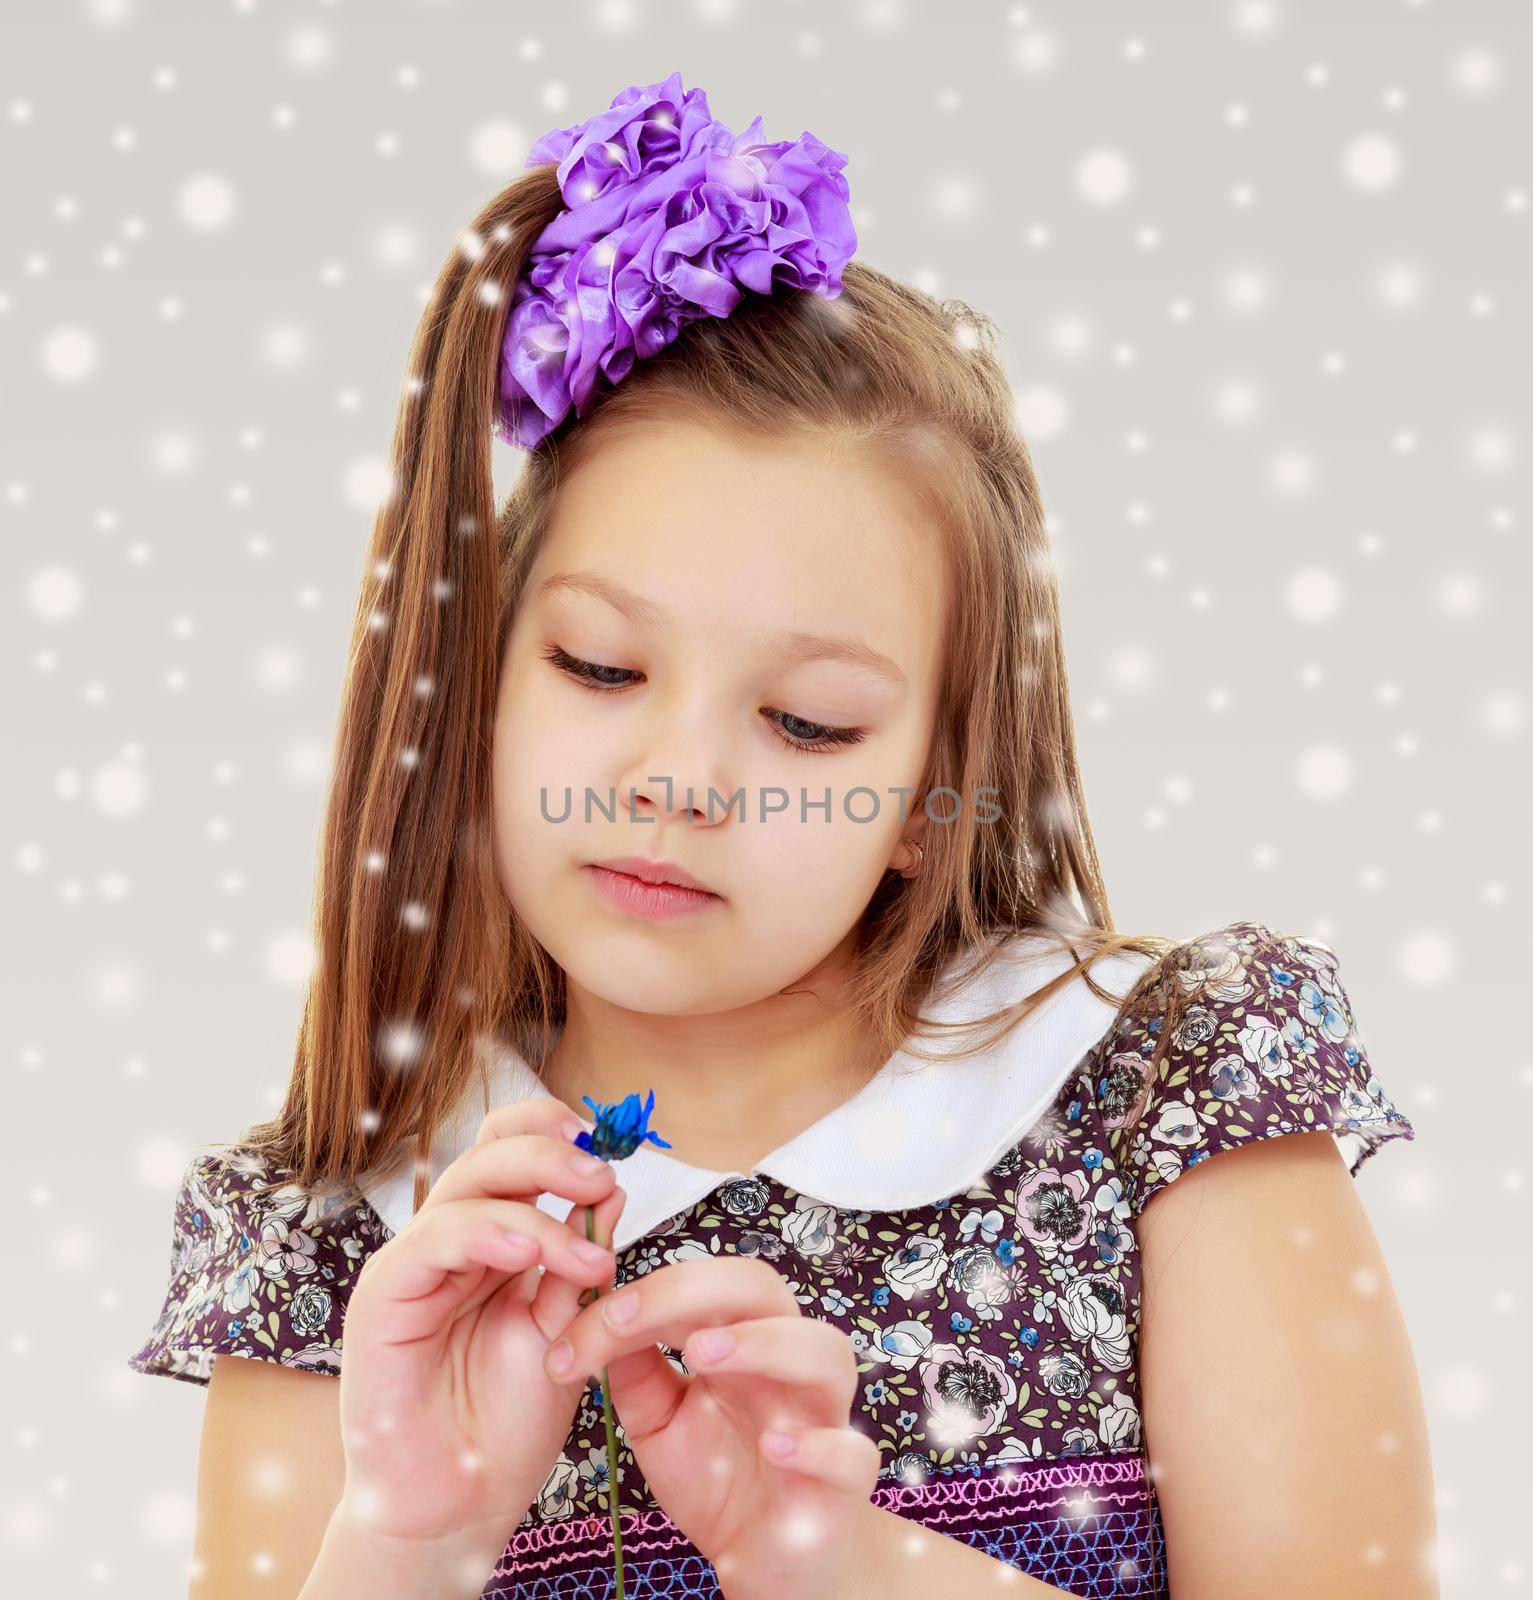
column 672, row 779
column 669, row 796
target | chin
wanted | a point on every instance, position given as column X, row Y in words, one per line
column 655, row 971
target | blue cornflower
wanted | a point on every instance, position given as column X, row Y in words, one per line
column 620, row 1129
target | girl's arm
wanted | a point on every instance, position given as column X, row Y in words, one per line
column 1282, row 1410
column 357, row 1562
column 269, row 1475
column 271, row 1520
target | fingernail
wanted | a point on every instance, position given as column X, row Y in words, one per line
column 623, row 1307
column 560, row 1358
column 570, row 1130
column 588, row 1250
column 585, row 1164
column 779, row 1444
column 714, row 1343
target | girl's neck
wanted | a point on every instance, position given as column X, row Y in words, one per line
column 730, row 1086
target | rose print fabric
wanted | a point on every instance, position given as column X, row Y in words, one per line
column 265, row 1276
column 997, row 1329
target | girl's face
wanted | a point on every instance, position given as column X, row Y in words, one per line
column 706, row 615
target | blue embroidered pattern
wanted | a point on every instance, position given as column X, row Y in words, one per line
column 1088, row 1525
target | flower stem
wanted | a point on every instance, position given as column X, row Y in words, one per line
column 606, row 1406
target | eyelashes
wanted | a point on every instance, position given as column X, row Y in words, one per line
column 813, row 736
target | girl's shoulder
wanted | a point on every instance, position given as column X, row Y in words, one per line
column 258, row 1268
column 1262, row 1041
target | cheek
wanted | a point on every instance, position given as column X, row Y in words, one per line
column 534, row 763
column 814, row 875
column 545, row 745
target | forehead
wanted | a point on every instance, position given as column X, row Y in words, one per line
column 744, row 536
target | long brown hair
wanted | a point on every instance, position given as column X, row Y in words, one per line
column 422, row 970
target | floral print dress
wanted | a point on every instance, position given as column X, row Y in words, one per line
column 997, row 1328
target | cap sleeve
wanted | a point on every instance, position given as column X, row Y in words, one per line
column 1265, row 1044
column 264, row 1275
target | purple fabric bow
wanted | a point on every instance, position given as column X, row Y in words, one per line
column 668, row 218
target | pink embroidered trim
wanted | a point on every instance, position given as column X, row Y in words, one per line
column 554, row 1544
column 1072, row 1487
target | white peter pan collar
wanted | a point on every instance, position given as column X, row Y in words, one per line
column 917, row 1132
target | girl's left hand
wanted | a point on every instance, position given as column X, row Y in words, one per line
column 785, row 1525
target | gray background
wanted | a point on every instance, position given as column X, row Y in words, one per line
column 1263, row 272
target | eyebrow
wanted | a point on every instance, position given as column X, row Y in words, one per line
column 797, row 647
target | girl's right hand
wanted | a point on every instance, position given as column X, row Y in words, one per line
column 449, row 1421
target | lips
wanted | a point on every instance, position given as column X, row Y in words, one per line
column 632, row 896
column 647, row 870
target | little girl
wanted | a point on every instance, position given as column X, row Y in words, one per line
column 732, row 760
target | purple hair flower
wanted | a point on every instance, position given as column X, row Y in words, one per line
column 668, row 217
